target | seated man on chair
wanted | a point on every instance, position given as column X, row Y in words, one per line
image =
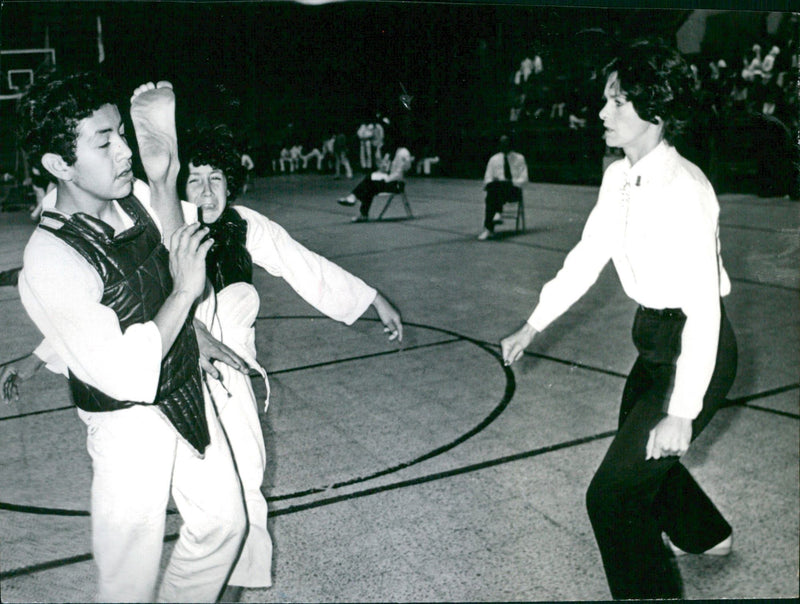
column 386, row 179
column 505, row 174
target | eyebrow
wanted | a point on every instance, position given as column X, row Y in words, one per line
column 97, row 133
column 614, row 95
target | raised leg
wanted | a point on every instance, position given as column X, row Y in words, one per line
column 153, row 117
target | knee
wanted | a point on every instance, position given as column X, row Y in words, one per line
column 601, row 499
column 226, row 524
column 230, row 528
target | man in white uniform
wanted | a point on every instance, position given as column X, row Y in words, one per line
column 116, row 308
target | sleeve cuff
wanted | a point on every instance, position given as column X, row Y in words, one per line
column 45, row 353
column 366, row 299
column 684, row 409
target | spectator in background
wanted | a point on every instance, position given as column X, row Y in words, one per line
column 505, row 173
column 248, row 165
column 340, row 157
column 383, row 180
column 313, row 154
column 364, row 133
column 328, row 159
column 378, row 137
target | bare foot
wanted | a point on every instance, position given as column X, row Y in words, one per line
column 153, row 117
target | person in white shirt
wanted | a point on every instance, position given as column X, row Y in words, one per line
column 386, row 179
column 506, row 172
column 116, row 310
column 364, row 134
column 243, row 238
column 656, row 219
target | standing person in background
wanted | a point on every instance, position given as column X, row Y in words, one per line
column 505, row 174
column 656, row 218
column 364, row 134
column 340, row 157
column 378, row 136
column 328, row 157
column 248, row 165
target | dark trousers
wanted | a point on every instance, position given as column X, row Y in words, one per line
column 631, row 501
column 367, row 189
column 498, row 192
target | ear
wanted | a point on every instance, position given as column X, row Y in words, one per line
column 56, row 165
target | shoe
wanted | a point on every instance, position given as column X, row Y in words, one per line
column 344, row 201
column 485, row 234
column 723, row 548
column 498, row 218
column 360, row 218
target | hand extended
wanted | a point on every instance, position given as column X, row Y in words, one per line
column 18, row 371
column 187, row 259
column 671, row 436
column 390, row 317
column 211, row 349
column 512, row 346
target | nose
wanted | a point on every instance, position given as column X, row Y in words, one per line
column 124, row 152
column 603, row 113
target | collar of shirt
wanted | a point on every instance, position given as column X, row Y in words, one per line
column 653, row 167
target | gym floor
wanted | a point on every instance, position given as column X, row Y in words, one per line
column 428, row 471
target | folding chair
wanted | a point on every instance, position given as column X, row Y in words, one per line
column 519, row 217
column 399, row 191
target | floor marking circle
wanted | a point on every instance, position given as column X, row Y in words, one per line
column 508, row 393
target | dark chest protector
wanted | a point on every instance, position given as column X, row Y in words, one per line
column 134, row 269
column 228, row 260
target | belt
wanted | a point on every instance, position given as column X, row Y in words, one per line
column 669, row 313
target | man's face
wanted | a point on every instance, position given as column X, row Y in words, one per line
column 623, row 126
column 207, row 188
column 103, row 165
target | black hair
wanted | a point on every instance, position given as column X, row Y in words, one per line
column 214, row 146
column 658, row 81
column 51, row 109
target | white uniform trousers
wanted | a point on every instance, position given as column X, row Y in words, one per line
column 137, row 460
column 236, row 311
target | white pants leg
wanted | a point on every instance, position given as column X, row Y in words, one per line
column 241, row 422
column 237, row 308
column 132, row 454
column 136, row 454
column 209, row 498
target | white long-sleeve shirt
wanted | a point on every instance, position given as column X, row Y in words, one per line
column 658, row 222
column 516, row 163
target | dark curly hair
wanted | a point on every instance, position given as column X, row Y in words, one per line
column 659, row 83
column 51, row 108
column 213, row 146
